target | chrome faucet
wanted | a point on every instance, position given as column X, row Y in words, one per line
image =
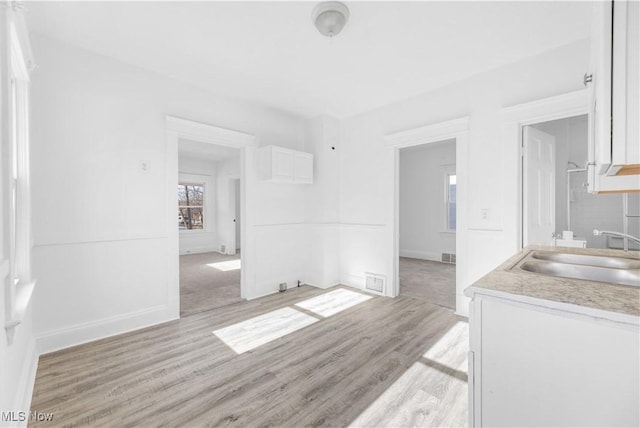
column 597, row 232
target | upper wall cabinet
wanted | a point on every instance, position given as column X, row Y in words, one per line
column 281, row 165
column 614, row 143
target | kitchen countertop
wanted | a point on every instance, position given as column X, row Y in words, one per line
column 579, row 294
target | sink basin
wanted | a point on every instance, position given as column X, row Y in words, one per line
column 582, row 259
column 615, row 270
column 581, row 271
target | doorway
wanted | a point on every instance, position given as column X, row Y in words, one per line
column 208, row 198
column 557, row 209
column 427, row 222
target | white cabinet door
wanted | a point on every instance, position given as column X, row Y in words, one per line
column 626, row 88
column 282, row 165
column 282, row 169
column 303, row 168
column 600, row 88
column 614, row 149
column 535, row 367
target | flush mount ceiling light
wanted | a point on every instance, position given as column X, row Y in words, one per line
column 330, row 17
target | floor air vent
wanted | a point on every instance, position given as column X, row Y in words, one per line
column 449, row 258
column 374, row 282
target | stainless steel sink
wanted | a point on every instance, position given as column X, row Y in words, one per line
column 616, row 270
column 591, row 273
column 583, row 259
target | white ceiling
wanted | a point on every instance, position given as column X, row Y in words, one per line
column 205, row 151
column 269, row 52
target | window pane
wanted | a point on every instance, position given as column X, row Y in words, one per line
column 451, row 223
column 190, row 218
column 452, row 188
column 190, row 194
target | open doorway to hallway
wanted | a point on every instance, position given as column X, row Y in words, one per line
column 427, row 222
column 208, row 222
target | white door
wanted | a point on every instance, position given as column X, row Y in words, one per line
column 539, row 187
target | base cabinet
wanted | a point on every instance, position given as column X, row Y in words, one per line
column 532, row 366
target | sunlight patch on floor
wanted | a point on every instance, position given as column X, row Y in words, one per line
column 421, row 397
column 226, row 266
column 331, row 303
column 257, row 331
column 432, row 392
column 451, row 349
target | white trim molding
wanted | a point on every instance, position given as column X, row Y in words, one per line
column 78, row 334
column 208, row 133
column 27, row 379
column 457, row 129
column 428, row 134
column 561, row 106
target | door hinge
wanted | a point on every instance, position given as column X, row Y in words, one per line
column 587, row 78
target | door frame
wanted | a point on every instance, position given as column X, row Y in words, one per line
column 175, row 129
column 458, row 130
column 516, row 117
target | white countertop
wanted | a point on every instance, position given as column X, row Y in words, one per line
column 600, row 299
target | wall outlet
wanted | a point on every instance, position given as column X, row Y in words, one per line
column 484, row 214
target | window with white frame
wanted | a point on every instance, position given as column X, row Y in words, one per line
column 15, row 169
column 450, row 201
column 191, row 206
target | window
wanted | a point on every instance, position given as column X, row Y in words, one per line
column 191, row 206
column 450, row 201
column 14, row 167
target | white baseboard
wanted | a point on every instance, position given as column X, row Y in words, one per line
column 354, row 281
column 87, row 332
column 27, row 382
column 199, row 250
column 323, row 286
column 423, row 255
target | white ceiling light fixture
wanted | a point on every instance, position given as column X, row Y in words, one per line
column 330, row 17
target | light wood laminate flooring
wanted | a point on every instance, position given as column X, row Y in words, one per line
column 340, row 370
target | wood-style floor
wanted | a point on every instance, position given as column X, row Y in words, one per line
column 433, row 282
column 206, row 282
column 382, row 362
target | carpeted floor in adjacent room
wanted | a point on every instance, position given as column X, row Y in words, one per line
column 208, row 281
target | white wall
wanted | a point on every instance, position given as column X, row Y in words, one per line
column 201, row 171
column 101, row 250
column 423, row 169
column 367, row 169
column 323, row 202
column 227, row 172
